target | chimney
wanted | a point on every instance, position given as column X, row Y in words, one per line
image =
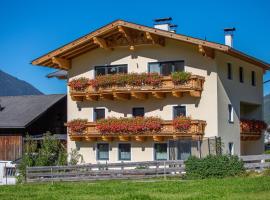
column 164, row 24
column 229, row 36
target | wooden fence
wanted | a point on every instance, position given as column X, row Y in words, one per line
column 123, row 170
column 256, row 162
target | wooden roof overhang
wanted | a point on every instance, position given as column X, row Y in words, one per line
column 122, row 33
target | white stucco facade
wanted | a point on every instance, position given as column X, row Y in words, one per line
column 212, row 106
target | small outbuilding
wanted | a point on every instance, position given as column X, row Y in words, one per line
column 30, row 114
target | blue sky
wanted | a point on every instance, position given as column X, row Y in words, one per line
column 30, row 28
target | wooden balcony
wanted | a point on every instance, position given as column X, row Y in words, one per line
column 196, row 131
column 193, row 87
column 251, row 129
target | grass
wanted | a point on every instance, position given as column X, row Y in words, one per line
column 229, row 188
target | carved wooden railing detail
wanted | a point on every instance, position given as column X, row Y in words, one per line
column 168, row 131
column 193, row 87
column 251, row 129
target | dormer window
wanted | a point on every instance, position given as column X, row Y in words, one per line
column 110, row 69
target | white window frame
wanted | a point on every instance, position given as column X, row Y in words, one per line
column 231, row 150
column 154, row 151
column 230, row 113
column 118, row 151
column 97, row 157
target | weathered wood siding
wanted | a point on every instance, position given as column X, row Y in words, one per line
column 10, row 147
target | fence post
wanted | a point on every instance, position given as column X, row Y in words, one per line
column 164, row 170
column 6, row 172
column 51, row 176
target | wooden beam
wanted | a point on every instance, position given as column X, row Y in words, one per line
column 62, row 63
column 157, row 138
column 140, row 138
column 106, row 138
column 159, row 95
column 139, row 95
column 157, row 40
column 123, row 138
column 101, row 42
column 195, row 93
column 127, row 35
column 206, row 51
column 92, row 97
column 121, row 96
column 90, row 139
column 177, row 94
column 107, row 96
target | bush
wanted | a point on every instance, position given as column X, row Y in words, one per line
column 213, row 166
column 180, row 77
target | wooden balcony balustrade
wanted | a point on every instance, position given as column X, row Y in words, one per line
column 196, row 131
column 251, row 129
column 193, row 87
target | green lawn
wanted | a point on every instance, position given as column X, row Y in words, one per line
column 230, row 188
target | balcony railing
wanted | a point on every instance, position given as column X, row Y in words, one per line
column 193, row 87
column 251, row 129
column 195, row 131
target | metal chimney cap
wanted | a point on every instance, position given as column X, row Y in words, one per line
column 163, row 19
column 229, row 29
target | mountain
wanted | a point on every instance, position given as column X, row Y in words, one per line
column 267, row 108
column 11, row 86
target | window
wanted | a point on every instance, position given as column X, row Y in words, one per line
column 231, row 148
column 241, row 75
column 166, row 68
column 124, row 151
column 99, row 113
column 253, row 78
column 138, row 112
column 103, row 151
column 229, row 71
column 230, row 113
column 110, row 69
column 179, row 111
column 160, row 151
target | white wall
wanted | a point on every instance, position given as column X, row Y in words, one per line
column 211, row 107
column 233, row 92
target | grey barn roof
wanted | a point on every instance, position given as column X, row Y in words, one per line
column 19, row 111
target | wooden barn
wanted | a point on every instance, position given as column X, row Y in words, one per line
column 33, row 115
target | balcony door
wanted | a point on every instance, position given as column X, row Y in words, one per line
column 166, row 68
column 180, row 149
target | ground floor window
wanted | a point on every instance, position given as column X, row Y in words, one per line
column 103, row 151
column 160, row 151
column 124, row 151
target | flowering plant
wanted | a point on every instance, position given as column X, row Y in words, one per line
column 252, row 125
column 122, row 80
column 79, row 84
column 180, row 77
column 77, row 125
column 182, row 123
column 129, row 125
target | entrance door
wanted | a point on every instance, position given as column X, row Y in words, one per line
column 179, row 149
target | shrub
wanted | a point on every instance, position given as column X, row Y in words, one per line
column 51, row 152
column 77, row 126
column 79, row 84
column 213, row 166
column 180, row 77
column 129, row 125
column 182, row 123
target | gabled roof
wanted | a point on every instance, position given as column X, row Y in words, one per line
column 20, row 111
column 106, row 35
